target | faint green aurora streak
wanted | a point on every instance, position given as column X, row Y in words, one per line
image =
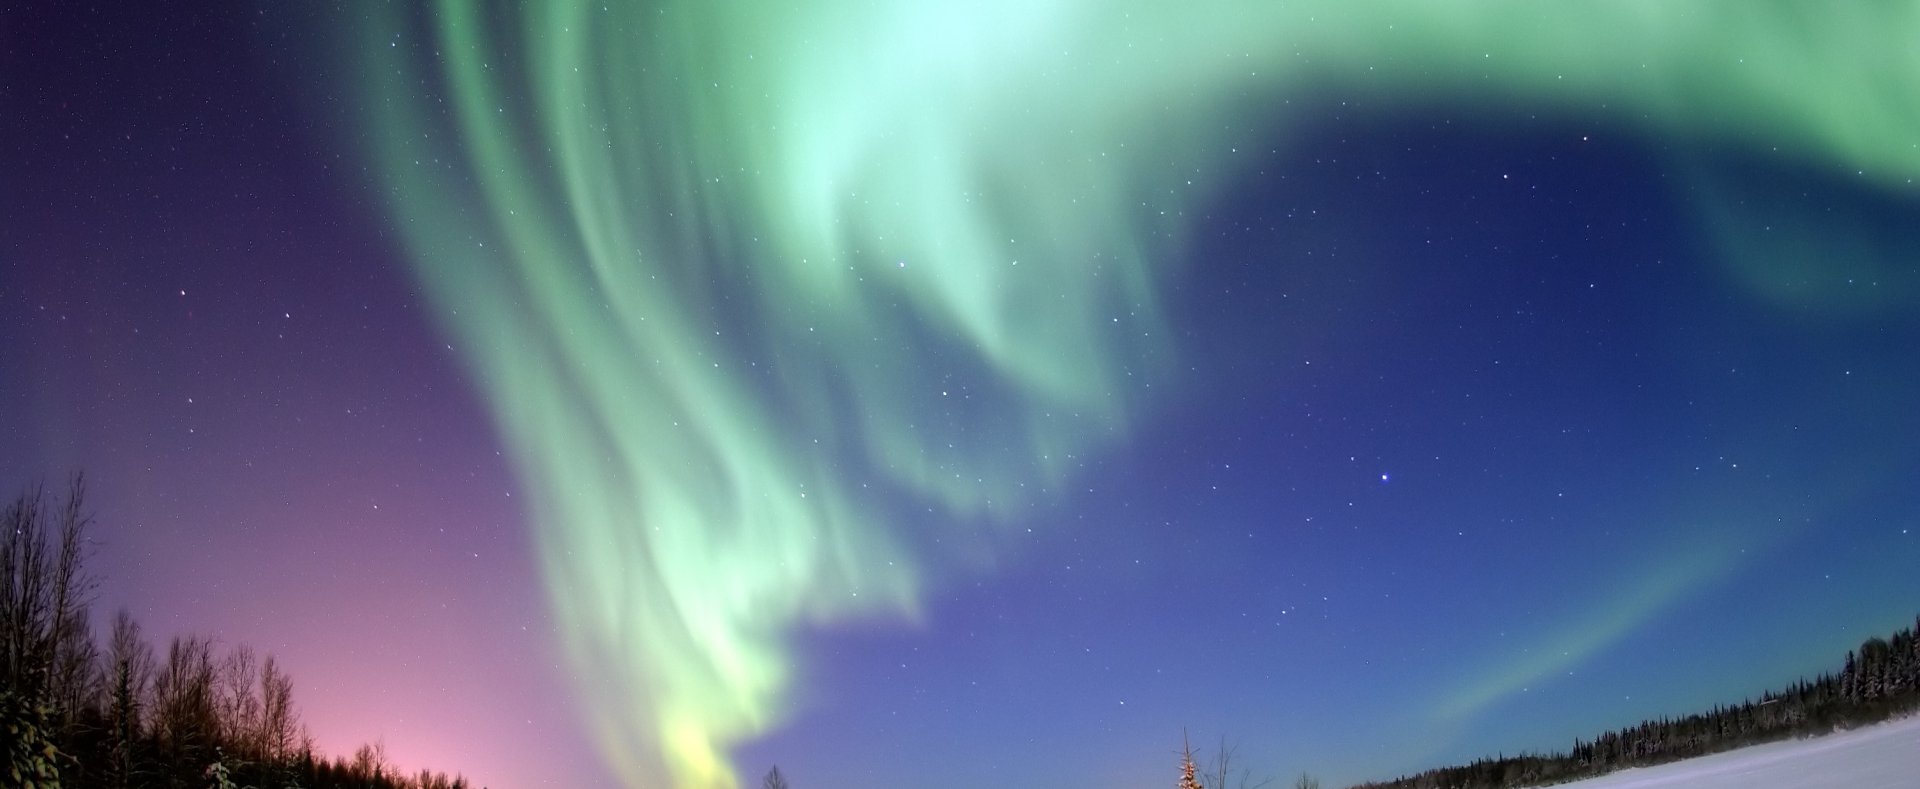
column 737, row 278
column 1570, row 643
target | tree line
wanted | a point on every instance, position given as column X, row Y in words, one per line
column 77, row 713
column 1876, row 682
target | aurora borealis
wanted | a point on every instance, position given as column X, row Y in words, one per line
column 1432, row 371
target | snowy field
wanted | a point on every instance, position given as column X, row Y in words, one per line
column 1886, row 756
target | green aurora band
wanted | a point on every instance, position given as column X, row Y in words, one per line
column 777, row 303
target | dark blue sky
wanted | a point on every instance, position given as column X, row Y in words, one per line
column 1482, row 429
column 1476, row 449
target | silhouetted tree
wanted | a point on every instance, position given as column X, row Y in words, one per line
column 44, row 592
column 239, row 706
column 774, row 779
column 279, row 723
column 1220, row 774
column 370, row 761
column 186, row 723
column 129, row 672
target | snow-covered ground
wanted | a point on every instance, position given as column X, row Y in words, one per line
column 1885, row 756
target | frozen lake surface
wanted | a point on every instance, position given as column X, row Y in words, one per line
column 1885, row 756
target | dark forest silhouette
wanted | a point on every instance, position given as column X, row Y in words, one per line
column 1877, row 682
column 75, row 713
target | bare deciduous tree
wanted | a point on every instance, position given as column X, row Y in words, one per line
column 46, row 649
column 1220, row 773
column 186, row 721
column 279, row 724
column 428, row 779
column 44, row 593
column 240, row 716
column 370, row 761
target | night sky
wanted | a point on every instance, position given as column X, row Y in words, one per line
column 943, row 395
